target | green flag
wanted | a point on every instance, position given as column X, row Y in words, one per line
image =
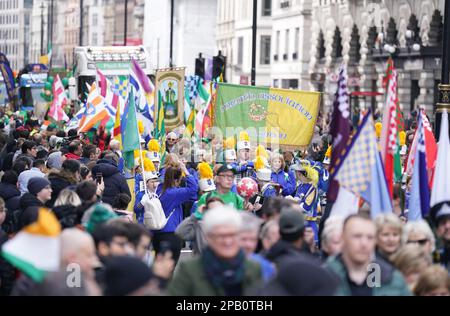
column 130, row 135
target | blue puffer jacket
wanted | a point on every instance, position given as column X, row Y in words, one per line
column 286, row 180
column 173, row 199
column 115, row 182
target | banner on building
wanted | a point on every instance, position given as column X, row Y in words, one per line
column 8, row 76
column 170, row 84
column 285, row 117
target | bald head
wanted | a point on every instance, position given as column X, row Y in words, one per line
column 77, row 247
column 73, row 240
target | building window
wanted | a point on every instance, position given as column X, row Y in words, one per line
column 94, row 19
column 266, row 7
column 296, row 43
column 265, row 50
column 94, row 39
column 240, row 58
column 275, row 83
column 289, row 84
column 286, row 46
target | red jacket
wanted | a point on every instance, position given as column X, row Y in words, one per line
column 72, row 156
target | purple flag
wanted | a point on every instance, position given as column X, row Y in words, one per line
column 143, row 79
column 340, row 129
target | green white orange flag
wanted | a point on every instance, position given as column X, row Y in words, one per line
column 35, row 250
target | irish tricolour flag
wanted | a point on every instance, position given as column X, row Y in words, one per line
column 35, row 250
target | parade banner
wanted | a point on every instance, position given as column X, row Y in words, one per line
column 170, row 84
column 8, row 76
column 285, row 117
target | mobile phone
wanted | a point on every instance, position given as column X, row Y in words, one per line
column 257, row 199
column 98, row 177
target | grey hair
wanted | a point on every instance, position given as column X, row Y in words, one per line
column 250, row 222
column 333, row 224
column 418, row 226
column 222, row 215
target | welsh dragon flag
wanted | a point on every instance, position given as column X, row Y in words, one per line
column 389, row 142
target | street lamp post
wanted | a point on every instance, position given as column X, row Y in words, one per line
column 255, row 15
column 42, row 28
column 172, row 4
column 444, row 87
column 125, row 24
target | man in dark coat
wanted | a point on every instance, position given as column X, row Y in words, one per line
column 115, row 182
column 291, row 244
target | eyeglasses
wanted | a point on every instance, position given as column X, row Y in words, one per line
column 171, row 139
column 421, row 242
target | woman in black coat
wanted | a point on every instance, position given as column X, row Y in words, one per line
column 115, row 182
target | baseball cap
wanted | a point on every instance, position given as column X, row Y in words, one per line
column 292, row 223
column 226, row 168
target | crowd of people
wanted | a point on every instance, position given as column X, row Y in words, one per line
column 241, row 219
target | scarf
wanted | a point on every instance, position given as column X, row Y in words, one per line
column 228, row 275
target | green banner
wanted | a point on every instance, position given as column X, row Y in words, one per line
column 286, row 117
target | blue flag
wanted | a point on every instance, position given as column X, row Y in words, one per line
column 8, row 76
column 419, row 201
column 361, row 170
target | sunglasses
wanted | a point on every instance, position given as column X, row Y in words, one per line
column 420, row 241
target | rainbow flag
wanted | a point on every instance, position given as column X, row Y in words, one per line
column 35, row 250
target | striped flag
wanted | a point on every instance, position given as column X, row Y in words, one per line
column 95, row 110
column 144, row 90
column 389, row 141
column 60, row 100
column 35, row 250
column 430, row 151
column 419, row 201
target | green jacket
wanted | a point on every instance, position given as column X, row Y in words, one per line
column 392, row 281
column 190, row 279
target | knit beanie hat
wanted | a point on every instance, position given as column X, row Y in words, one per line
column 37, row 184
column 124, row 275
column 96, row 215
column 54, row 160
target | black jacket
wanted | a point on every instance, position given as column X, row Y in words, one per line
column 58, row 182
column 7, row 192
column 115, row 182
column 67, row 215
column 28, row 210
column 284, row 251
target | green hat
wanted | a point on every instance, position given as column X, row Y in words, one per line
column 96, row 215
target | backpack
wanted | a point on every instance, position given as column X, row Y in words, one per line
column 154, row 216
